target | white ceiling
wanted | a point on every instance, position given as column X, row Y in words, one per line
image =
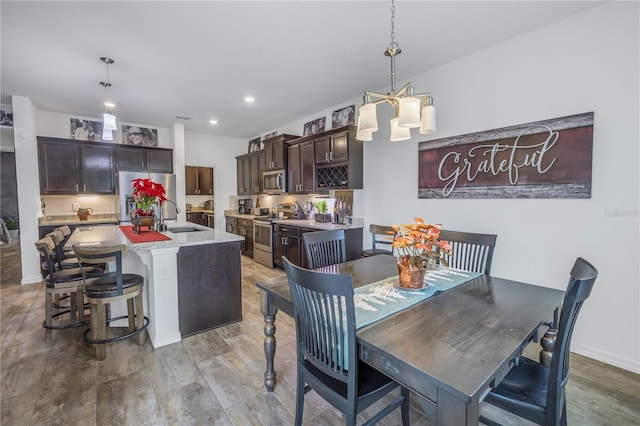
column 200, row 59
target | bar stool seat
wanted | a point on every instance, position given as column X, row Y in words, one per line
column 102, row 289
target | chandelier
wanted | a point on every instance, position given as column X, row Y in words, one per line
column 409, row 112
column 108, row 119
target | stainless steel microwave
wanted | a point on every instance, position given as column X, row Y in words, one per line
column 274, row 182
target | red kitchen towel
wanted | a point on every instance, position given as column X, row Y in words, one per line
column 145, row 236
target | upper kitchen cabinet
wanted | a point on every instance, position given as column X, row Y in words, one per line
column 139, row 159
column 336, row 161
column 275, row 150
column 249, row 172
column 73, row 167
column 199, row 180
column 301, row 170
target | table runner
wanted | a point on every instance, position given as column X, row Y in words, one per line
column 383, row 298
column 143, row 236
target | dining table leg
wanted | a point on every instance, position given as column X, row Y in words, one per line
column 269, row 312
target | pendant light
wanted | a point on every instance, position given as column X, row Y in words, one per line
column 108, row 119
column 407, row 104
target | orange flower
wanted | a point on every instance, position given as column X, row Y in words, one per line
column 419, row 242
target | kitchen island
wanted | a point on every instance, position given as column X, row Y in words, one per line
column 192, row 280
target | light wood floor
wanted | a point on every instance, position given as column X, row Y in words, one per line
column 211, row 378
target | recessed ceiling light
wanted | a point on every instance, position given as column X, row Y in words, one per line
column 249, row 99
column 213, row 121
column 109, row 104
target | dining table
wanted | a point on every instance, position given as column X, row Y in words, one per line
column 451, row 348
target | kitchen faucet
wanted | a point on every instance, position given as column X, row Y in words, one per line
column 163, row 226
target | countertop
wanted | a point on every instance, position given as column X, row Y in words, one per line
column 74, row 220
column 304, row 223
column 198, row 210
column 113, row 235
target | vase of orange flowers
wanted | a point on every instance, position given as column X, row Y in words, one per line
column 147, row 194
column 420, row 249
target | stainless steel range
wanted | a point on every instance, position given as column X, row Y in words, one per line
column 263, row 240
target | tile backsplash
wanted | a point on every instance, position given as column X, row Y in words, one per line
column 63, row 204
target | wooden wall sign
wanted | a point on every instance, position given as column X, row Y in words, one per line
column 544, row 159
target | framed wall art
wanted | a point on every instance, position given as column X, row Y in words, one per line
column 85, row 130
column 254, row 145
column 343, row 117
column 140, row 136
column 6, row 115
column 544, row 159
column 313, row 127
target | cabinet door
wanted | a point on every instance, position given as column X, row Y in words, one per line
column 130, row 159
column 191, row 180
column 307, row 167
column 292, row 249
column 244, row 175
column 339, row 148
column 205, row 181
column 274, row 154
column 293, row 170
column 323, row 150
column 159, row 160
column 269, row 156
column 59, row 168
column 278, row 248
column 255, row 174
column 97, row 169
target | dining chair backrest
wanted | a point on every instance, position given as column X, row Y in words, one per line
column 532, row 390
column 325, row 321
column 380, row 235
column 324, row 248
column 583, row 276
column 102, row 255
column 470, row 251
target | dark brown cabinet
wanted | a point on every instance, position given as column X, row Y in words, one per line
column 249, row 173
column 275, row 150
column 231, row 224
column 201, row 218
column 198, row 180
column 137, row 159
column 332, row 149
column 245, row 228
column 301, row 170
column 72, row 167
column 286, row 242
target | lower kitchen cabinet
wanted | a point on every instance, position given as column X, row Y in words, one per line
column 289, row 241
column 201, row 218
column 209, row 287
column 245, row 228
column 231, row 224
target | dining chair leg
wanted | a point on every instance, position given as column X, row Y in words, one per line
column 299, row 399
column 101, row 326
column 140, row 319
column 405, row 406
column 131, row 315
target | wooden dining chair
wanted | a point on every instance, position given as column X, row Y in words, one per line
column 325, row 248
column 535, row 391
column 104, row 288
column 327, row 355
column 380, row 235
column 471, row 252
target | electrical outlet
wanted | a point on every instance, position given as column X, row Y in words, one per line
column 75, row 206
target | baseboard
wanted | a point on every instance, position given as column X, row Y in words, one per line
column 606, row 357
column 31, row 280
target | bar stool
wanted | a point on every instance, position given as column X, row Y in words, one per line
column 63, row 260
column 60, row 282
column 104, row 288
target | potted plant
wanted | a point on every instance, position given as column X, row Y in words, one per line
column 322, row 208
column 13, row 226
column 146, row 194
column 420, row 248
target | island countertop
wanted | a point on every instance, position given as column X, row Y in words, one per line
column 112, row 235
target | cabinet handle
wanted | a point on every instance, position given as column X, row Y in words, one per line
column 211, row 191
column 331, row 156
column 84, row 187
column 326, row 156
column 76, row 186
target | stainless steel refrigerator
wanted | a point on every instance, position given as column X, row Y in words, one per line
column 125, row 187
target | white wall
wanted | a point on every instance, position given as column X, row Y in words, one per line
column 218, row 152
column 589, row 62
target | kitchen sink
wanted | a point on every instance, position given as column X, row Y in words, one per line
column 186, row 229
